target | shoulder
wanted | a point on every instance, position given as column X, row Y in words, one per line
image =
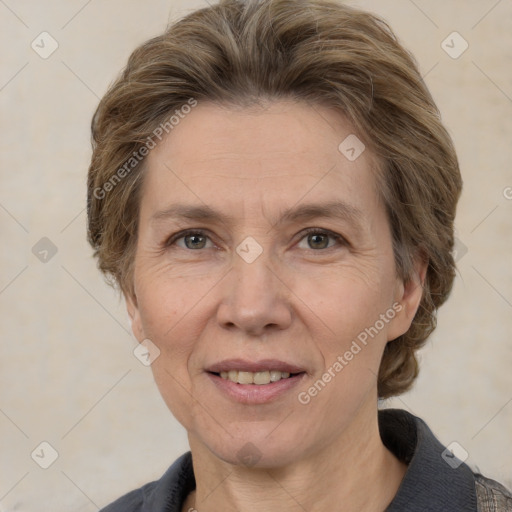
column 132, row 501
column 491, row 495
column 167, row 493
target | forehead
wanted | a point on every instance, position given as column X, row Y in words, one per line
column 259, row 157
column 279, row 129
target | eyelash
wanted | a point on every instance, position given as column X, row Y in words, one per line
column 308, row 231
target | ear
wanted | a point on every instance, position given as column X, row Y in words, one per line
column 408, row 294
column 133, row 311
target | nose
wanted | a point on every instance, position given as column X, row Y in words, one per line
column 255, row 298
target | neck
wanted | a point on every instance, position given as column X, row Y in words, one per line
column 355, row 471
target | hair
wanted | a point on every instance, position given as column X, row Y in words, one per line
column 240, row 53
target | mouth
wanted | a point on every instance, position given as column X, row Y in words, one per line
column 251, row 382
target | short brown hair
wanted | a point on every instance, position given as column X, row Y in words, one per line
column 242, row 52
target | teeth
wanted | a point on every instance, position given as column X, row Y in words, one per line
column 275, row 375
column 245, row 377
column 258, row 378
column 261, row 378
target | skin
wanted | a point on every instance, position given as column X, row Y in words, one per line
column 303, row 300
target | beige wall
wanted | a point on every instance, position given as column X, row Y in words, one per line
column 67, row 372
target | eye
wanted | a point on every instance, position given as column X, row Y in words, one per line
column 319, row 239
column 192, row 239
column 316, row 239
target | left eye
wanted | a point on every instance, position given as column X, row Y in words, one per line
column 317, row 239
column 194, row 240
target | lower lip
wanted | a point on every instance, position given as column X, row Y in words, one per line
column 255, row 393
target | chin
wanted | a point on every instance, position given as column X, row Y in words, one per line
column 255, row 448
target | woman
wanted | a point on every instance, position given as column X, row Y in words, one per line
column 273, row 191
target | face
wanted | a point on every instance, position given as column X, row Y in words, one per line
column 263, row 249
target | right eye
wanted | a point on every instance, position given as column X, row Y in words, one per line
column 193, row 239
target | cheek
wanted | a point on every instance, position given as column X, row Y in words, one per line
column 168, row 318
column 352, row 339
column 348, row 300
column 166, row 308
column 166, row 302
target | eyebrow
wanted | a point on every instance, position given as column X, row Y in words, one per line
column 304, row 212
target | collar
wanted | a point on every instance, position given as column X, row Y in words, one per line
column 430, row 483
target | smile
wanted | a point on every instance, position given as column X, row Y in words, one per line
column 249, row 381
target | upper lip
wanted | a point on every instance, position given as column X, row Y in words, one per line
column 254, row 366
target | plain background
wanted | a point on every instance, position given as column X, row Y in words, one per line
column 68, row 375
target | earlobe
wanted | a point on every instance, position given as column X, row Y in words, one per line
column 410, row 294
column 134, row 314
column 413, row 288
